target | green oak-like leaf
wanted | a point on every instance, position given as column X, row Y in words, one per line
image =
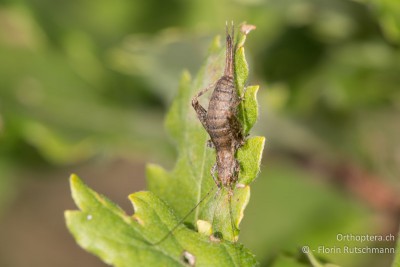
column 190, row 180
column 104, row 229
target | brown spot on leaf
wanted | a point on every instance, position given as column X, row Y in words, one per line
column 188, row 258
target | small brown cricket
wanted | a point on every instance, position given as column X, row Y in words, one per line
column 221, row 120
column 223, row 126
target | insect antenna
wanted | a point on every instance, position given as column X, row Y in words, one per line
column 184, row 217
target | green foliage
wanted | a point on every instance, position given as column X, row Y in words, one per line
column 292, row 202
column 58, row 98
column 105, row 230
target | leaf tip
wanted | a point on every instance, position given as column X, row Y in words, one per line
column 247, row 28
column 154, row 169
column 253, row 89
column 74, row 179
column 77, row 185
column 136, row 198
column 132, row 199
column 70, row 217
column 245, row 191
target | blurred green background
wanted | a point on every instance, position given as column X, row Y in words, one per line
column 84, row 87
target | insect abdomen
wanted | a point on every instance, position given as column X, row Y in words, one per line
column 219, row 110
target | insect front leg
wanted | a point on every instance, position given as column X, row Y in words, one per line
column 236, row 170
column 239, row 99
column 236, row 131
column 210, row 143
column 217, row 182
column 213, row 169
column 242, row 97
column 200, row 110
